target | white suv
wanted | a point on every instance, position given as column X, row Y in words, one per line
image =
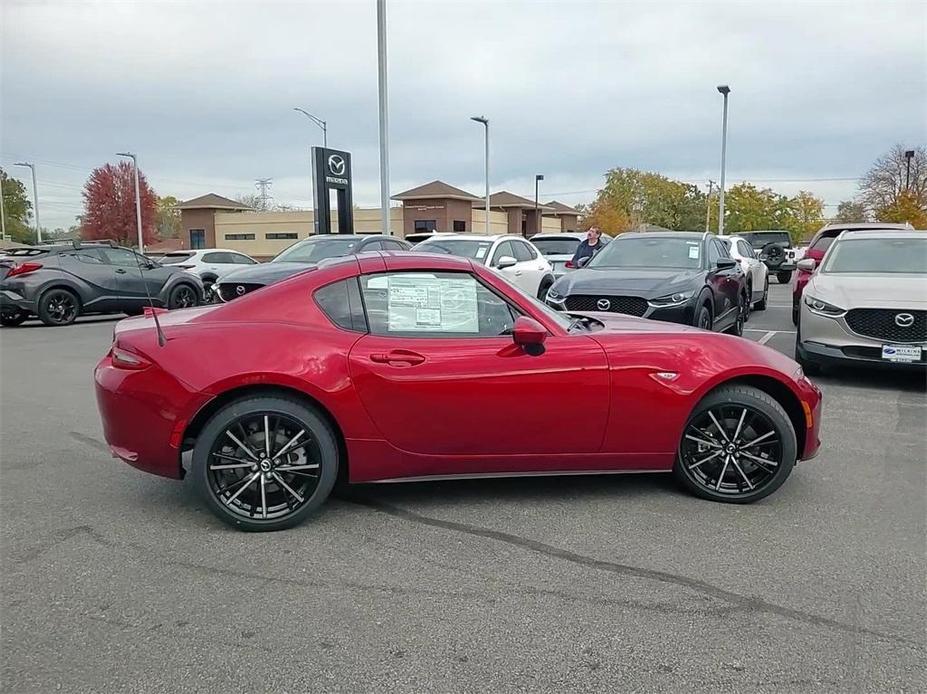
column 755, row 270
column 208, row 263
column 514, row 258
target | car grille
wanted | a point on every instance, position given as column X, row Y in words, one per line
column 230, row 291
column 880, row 324
column 632, row 305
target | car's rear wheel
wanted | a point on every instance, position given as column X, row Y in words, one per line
column 703, row 317
column 11, row 320
column 761, row 304
column 265, row 463
column 738, row 446
column 743, row 307
column 784, row 277
column 59, row 307
column 182, row 296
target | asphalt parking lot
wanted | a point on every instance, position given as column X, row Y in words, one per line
column 114, row 580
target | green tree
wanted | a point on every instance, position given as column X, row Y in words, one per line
column 807, row 216
column 887, row 181
column 905, row 209
column 17, row 209
column 167, row 218
column 748, row 208
column 851, row 211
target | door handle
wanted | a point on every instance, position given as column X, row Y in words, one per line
column 120, row 271
column 398, row 356
column 518, row 273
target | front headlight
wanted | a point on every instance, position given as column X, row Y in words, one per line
column 676, row 299
column 555, row 296
column 822, row 308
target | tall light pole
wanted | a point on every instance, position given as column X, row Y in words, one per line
column 35, row 200
column 318, row 121
column 485, row 121
column 384, row 115
column 2, row 211
column 537, row 220
column 725, row 90
column 138, row 199
column 908, row 155
column 711, row 185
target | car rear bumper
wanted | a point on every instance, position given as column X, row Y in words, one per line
column 12, row 302
column 144, row 415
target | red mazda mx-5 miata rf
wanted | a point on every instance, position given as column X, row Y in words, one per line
column 407, row 366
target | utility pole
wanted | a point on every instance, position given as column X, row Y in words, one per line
column 2, row 211
column 908, row 155
column 708, row 205
column 724, row 90
column 384, row 114
column 138, row 199
column 264, row 184
column 538, row 227
column 485, row 121
column 35, row 200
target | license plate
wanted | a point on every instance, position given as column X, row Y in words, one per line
column 901, row 353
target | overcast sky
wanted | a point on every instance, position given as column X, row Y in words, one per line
column 204, row 91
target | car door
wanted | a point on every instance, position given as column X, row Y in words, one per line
column 531, row 266
column 724, row 284
column 133, row 272
column 92, row 267
column 439, row 376
column 756, row 269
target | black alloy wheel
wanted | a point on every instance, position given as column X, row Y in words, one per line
column 738, row 446
column 265, row 463
column 58, row 307
column 742, row 309
column 703, row 317
column 182, row 296
column 11, row 320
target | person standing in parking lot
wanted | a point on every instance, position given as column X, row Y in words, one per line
column 587, row 249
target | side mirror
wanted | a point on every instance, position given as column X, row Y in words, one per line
column 806, row 264
column 505, row 261
column 529, row 334
column 584, row 261
column 726, row 263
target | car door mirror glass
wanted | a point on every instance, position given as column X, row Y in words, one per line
column 529, row 334
column 807, row 264
column 725, row 263
column 505, row 262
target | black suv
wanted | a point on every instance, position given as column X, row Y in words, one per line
column 60, row 282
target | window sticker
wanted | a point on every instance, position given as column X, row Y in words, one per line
column 431, row 304
column 481, row 252
column 693, row 252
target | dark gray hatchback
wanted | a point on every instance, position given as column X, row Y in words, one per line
column 58, row 283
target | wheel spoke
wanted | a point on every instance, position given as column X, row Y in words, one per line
column 263, row 496
column 705, row 460
column 287, row 487
column 720, row 429
column 231, row 466
column 710, row 444
column 289, row 444
column 760, row 438
column 223, row 456
column 266, row 436
column 721, row 476
column 288, row 468
column 234, row 496
column 761, row 461
column 739, row 424
column 740, row 470
column 242, row 446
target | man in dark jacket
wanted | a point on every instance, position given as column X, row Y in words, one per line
column 587, row 249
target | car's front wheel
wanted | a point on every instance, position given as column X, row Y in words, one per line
column 265, row 462
column 11, row 320
column 738, row 446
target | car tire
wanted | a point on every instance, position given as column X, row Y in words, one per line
column 742, row 309
column 702, row 317
column 784, row 277
column 59, row 306
column 182, row 296
column 757, row 470
column 761, row 304
column 264, row 503
column 546, row 284
column 11, row 320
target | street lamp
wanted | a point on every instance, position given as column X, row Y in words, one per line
column 138, row 199
column 485, row 121
column 318, row 121
column 908, row 155
column 724, row 90
column 537, row 220
column 35, row 200
column 382, row 91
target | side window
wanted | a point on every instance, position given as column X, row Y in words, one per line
column 391, row 245
column 504, row 248
column 121, row 257
column 215, row 258
column 90, row 256
column 372, row 246
column 523, row 252
column 341, row 302
column 744, row 249
column 722, row 249
column 823, row 243
column 433, row 304
column 460, row 225
column 240, row 259
column 713, row 253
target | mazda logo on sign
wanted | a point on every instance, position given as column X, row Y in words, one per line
column 904, row 320
column 603, row 304
column 336, row 164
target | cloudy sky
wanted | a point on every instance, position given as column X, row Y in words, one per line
column 204, row 91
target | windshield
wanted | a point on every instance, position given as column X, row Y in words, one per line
column 894, row 256
column 562, row 246
column 173, row 258
column 761, row 238
column 314, row 250
column 651, row 252
column 465, row 248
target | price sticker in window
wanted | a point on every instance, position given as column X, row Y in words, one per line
column 693, row 251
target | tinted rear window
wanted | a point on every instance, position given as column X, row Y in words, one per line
column 173, row 258
column 823, row 243
column 556, row 246
column 758, row 240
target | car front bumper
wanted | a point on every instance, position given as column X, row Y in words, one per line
column 682, row 313
column 824, row 340
column 13, row 302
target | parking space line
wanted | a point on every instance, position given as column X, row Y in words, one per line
column 768, row 331
column 767, row 337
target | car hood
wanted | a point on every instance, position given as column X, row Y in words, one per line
column 265, row 273
column 623, row 323
column 848, row 290
column 647, row 283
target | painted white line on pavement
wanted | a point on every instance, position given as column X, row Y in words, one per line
column 766, row 330
column 767, row 337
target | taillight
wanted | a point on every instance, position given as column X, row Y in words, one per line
column 569, row 265
column 23, row 269
column 126, row 360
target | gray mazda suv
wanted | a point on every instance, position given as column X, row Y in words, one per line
column 58, row 283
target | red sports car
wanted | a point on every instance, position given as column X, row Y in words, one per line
column 385, row 367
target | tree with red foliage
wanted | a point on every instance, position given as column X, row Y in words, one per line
column 109, row 205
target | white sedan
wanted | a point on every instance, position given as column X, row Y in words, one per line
column 755, row 270
column 514, row 258
column 208, row 263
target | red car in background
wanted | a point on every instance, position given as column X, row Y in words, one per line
column 386, row 367
column 818, row 246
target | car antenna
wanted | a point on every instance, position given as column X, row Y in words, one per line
column 154, row 314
